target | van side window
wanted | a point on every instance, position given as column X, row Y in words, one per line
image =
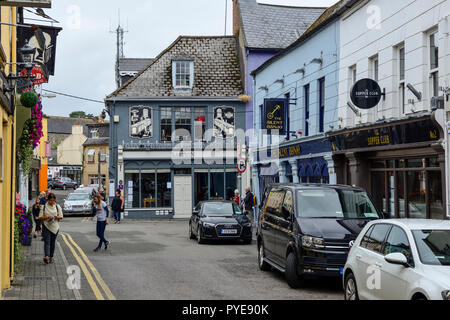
column 377, row 237
column 288, row 205
column 275, row 202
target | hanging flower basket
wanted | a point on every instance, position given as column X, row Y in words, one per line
column 29, row 98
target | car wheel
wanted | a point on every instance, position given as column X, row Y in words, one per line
column 351, row 290
column 199, row 236
column 263, row 265
column 191, row 234
column 292, row 277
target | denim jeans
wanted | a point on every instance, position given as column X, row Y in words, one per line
column 49, row 241
column 116, row 215
column 101, row 226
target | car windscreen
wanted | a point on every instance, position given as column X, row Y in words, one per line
column 221, row 209
column 335, row 203
column 78, row 197
column 433, row 246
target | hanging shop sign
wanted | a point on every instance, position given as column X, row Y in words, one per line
column 406, row 133
column 43, row 38
column 275, row 114
column 366, row 94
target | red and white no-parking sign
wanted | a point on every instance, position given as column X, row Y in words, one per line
column 242, row 165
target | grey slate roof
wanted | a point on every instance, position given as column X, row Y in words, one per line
column 61, row 125
column 274, row 27
column 133, row 64
column 216, row 70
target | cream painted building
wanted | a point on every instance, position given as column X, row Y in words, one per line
column 70, row 151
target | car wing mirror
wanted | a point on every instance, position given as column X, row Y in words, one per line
column 397, row 258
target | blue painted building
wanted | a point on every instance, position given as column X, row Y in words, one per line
column 307, row 75
column 163, row 123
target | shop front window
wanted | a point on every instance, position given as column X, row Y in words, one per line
column 231, row 184
column 201, row 186
column 148, row 189
column 132, row 189
column 164, row 189
column 217, row 191
column 417, row 206
column 435, row 192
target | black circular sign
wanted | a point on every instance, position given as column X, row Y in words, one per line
column 366, row 94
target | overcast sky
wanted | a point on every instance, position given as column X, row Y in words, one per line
column 86, row 49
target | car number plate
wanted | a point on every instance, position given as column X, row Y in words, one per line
column 229, row 231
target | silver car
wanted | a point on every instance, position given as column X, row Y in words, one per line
column 78, row 203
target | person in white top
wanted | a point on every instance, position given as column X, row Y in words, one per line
column 51, row 213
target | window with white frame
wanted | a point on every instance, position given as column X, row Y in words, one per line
column 374, row 72
column 401, row 72
column 433, row 43
column 91, row 155
column 183, row 74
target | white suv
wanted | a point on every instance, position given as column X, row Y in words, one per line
column 400, row 260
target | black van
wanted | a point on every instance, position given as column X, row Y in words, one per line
column 308, row 230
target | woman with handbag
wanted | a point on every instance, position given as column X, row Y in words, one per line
column 50, row 214
column 100, row 209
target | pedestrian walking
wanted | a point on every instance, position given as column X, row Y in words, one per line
column 50, row 214
column 249, row 203
column 117, row 206
column 36, row 212
column 100, row 209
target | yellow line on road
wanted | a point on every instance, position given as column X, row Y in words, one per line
column 86, row 272
column 102, row 283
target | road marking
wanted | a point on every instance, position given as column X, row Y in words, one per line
column 102, row 283
column 66, row 264
column 86, row 272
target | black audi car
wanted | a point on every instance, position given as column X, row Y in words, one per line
column 219, row 220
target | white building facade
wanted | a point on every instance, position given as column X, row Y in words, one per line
column 396, row 150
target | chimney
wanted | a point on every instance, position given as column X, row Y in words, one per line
column 77, row 129
column 236, row 18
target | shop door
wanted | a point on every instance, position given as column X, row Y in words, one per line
column 183, row 197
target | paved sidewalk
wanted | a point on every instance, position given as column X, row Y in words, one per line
column 38, row 281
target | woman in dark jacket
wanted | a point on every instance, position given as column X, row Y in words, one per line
column 38, row 223
column 117, row 206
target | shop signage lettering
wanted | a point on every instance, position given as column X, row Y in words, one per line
column 275, row 114
column 287, row 152
column 366, row 94
column 406, row 133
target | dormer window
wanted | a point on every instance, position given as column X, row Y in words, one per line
column 183, row 74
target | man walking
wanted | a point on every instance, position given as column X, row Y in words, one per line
column 249, row 203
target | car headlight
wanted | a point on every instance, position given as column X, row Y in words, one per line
column 313, row 243
column 446, row 295
column 208, row 225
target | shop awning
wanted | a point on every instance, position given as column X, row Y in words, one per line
column 269, row 170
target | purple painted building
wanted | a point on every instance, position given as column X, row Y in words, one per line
column 264, row 30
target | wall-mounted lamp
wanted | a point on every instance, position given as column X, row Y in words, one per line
column 414, row 91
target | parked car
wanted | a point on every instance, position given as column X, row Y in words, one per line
column 307, row 230
column 78, row 203
column 64, row 183
column 219, row 220
column 400, row 260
